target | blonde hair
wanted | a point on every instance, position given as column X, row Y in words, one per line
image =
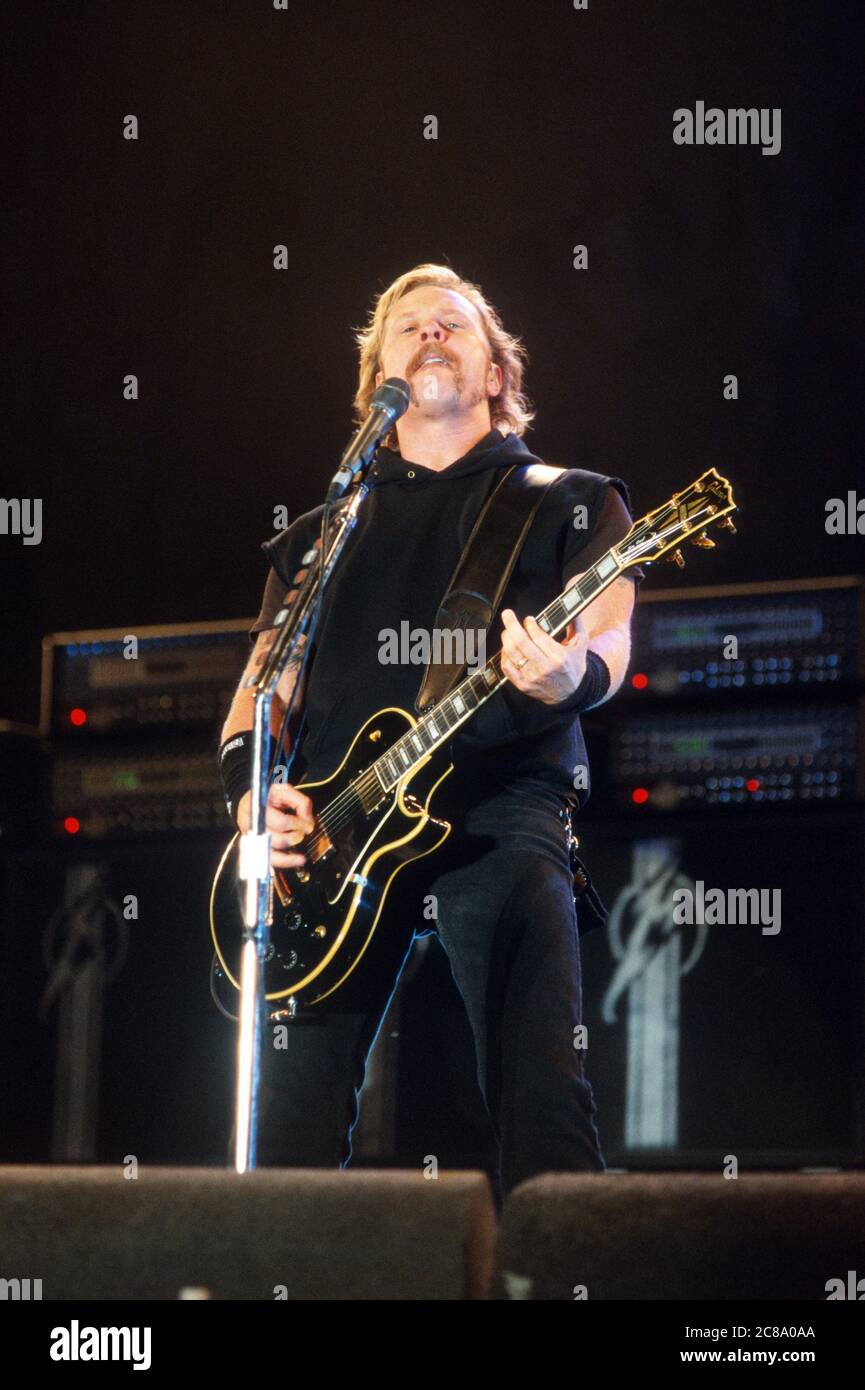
column 509, row 411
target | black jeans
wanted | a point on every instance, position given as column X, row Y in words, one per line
column 500, row 888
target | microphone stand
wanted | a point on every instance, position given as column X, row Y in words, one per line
column 254, row 864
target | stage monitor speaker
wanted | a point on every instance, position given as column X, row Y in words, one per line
column 97, row 1233
column 684, row 1236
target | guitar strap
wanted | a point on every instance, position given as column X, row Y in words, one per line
column 485, row 566
column 472, row 600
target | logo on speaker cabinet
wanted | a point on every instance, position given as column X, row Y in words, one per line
column 653, row 954
column 641, row 925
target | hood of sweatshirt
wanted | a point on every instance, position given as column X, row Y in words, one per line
column 495, row 450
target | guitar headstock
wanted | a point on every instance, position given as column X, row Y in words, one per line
column 706, row 502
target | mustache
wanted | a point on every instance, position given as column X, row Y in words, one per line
column 431, row 353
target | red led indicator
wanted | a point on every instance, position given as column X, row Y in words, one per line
column 753, row 784
column 639, row 795
column 639, row 681
column 72, row 825
column 78, row 716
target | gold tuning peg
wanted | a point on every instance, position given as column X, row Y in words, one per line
column 727, row 524
column 703, row 541
column 676, row 558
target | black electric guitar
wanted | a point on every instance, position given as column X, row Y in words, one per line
column 372, row 815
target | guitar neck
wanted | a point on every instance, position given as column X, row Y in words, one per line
column 442, row 721
column 707, row 501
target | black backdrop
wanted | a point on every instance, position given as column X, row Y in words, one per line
column 305, row 127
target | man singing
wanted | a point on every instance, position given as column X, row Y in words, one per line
column 501, row 883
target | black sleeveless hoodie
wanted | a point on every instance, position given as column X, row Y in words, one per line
column 396, row 568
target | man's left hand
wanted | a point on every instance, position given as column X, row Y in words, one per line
column 540, row 665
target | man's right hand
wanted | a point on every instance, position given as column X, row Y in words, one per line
column 289, row 818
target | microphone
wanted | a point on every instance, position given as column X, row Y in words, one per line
column 389, row 402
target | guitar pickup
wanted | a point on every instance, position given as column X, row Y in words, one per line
column 324, row 845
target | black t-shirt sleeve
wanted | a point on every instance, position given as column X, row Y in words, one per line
column 285, row 552
column 612, row 525
column 272, row 600
column 609, row 520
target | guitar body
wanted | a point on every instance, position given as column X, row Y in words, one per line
column 325, row 914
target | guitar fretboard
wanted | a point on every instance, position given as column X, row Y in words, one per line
column 707, row 500
column 436, row 726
